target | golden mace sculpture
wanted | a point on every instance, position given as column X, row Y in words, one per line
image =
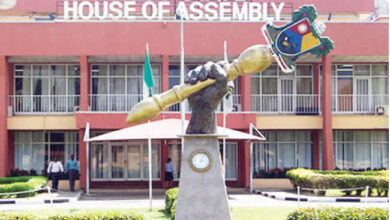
column 254, row 59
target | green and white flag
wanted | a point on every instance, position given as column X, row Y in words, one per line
column 148, row 76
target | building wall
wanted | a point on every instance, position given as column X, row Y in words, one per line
column 87, row 43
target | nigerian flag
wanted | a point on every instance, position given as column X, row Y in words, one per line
column 148, row 76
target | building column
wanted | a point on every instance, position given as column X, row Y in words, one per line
column 84, row 83
column 165, row 73
column 244, row 85
column 164, row 157
column 327, row 132
column 4, row 91
column 316, row 149
column 83, row 159
column 243, row 176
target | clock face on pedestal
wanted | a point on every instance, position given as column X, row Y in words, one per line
column 200, row 161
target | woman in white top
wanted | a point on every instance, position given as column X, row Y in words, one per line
column 54, row 169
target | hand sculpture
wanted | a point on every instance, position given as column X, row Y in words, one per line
column 205, row 102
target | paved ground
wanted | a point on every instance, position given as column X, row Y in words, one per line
column 138, row 199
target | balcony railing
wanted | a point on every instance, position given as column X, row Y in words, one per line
column 118, row 102
column 236, row 105
column 30, row 104
column 286, row 104
column 365, row 104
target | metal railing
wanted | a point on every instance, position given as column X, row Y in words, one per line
column 30, row 104
column 117, row 102
column 286, row 104
column 366, row 104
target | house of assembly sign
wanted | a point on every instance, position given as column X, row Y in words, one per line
column 160, row 10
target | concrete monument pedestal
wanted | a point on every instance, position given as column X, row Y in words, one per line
column 202, row 193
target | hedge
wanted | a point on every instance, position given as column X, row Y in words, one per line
column 89, row 215
column 20, row 184
column 337, row 179
column 170, row 202
column 339, row 214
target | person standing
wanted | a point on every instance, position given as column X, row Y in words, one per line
column 169, row 172
column 54, row 169
column 72, row 168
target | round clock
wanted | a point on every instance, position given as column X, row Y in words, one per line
column 200, row 161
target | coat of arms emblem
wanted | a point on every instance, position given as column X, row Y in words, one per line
column 300, row 36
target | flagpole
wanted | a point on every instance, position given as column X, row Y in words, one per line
column 150, row 154
column 182, row 104
column 224, row 118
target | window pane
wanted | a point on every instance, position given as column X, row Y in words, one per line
column 255, row 85
column 231, row 161
column 304, row 70
column 379, row 70
column 118, row 161
column 155, row 161
column 344, row 158
column 286, row 136
column 286, row 156
column 134, row 161
column 304, row 155
column 99, row 70
column 38, row 158
column 134, row 70
column 73, row 70
column 379, row 86
column 58, row 70
column 22, row 86
column 362, row 70
column 58, row 86
column 269, row 86
column 74, row 86
column 22, row 70
column 304, row 86
column 362, row 156
column 270, row 71
column 380, row 158
column 40, row 70
column 117, row 70
column 380, row 136
column 99, row 86
column 175, row 155
column 304, row 136
column 362, row 136
column 99, row 161
column 117, row 85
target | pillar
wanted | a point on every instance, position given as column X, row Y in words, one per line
column 244, row 164
column 165, row 73
column 316, row 149
column 327, row 136
column 83, row 159
column 164, row 157
column 245, row 91
column 4, row 89
column 84, row 83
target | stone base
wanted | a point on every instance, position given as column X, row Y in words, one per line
column 202, row 195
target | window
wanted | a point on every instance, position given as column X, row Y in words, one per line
column 360, row 150
column 46, row 88
column 124, row 161
column 284, row 150
column 359, row 88
column 230, row 160
column 35, row 149
column 174, row 152
column 274, row 91
column 119, row 87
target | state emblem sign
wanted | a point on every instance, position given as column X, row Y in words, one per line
column 300, row 36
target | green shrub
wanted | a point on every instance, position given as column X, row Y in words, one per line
column 20, row 184
column 170, row 202
column 339, row 214
column 89, row 215
column 340, row 179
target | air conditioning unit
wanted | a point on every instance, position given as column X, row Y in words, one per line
column 76, row 108
column 236, row 107
column 381, row 110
